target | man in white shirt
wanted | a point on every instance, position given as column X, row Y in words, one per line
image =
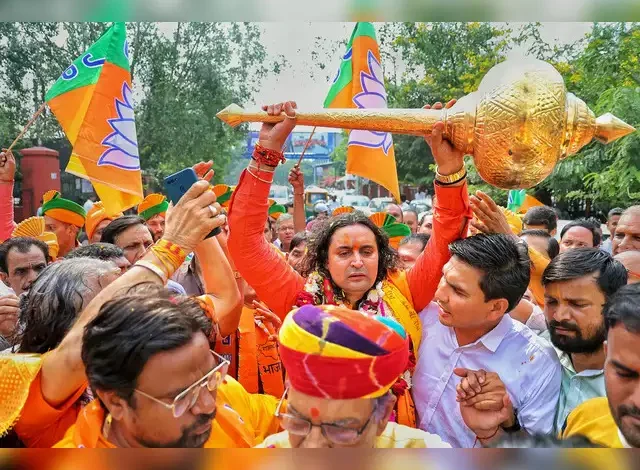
column 468, row 328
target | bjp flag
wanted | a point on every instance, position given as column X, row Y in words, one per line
column 520, row 202
column 93, row 103
column 359, row 83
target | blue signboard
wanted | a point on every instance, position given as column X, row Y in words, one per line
column 320, row 148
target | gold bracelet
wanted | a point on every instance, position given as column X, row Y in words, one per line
column 258, row 178
column 452, row 178
column 259, row 168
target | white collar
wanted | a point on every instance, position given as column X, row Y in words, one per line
column 625, row 444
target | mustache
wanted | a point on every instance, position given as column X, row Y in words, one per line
column 563, row 324
column 629, row 410
column 201, row 420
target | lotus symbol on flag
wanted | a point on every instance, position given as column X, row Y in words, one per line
column 372, row 96
column 123, row 142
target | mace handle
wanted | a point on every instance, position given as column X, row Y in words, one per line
column 397, row 121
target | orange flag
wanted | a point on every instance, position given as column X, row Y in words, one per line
column 93, row 102
column 359, row 83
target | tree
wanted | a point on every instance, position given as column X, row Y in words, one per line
column 603, row 70
column 443, row 61
column 181, row 80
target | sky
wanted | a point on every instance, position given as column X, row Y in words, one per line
column 296, row 40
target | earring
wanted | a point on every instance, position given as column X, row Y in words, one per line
column 107, row 425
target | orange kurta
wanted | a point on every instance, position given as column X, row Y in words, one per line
column 242, row 420
column 277, row 284
column 42, row 425
column 255, row 361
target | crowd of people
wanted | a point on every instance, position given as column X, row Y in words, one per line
column 469, row 326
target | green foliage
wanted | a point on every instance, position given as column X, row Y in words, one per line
column 180, row 81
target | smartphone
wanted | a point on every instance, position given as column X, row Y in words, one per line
column 178, row 184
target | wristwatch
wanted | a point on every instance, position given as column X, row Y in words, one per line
column 516, row 424
column 452, row 178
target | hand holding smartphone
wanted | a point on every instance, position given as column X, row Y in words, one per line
column 178, row 184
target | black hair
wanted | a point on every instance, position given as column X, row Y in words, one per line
column 553, row 247
column 51, row 306
column 288, row 205
column 504, row 261
column 320, row 239
column 424, row 216
column 615, row 211
column 574, row 264
column 537, row 441
column 119, row 225
column 622, row 307
column 298, row 238
column 421, row 238
column 542, row 215
column 102, row 251
column 23, row 245
column 128, row 331
column 589, row 224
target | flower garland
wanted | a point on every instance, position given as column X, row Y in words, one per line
column 318, row 290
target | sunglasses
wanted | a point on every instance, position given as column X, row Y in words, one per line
column 189, row 397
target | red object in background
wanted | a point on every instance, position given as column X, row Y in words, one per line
column 40, row 168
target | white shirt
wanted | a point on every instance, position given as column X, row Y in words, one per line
column 529, row 368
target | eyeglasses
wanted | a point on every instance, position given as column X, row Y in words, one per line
column 189, row 397
column 336, row 434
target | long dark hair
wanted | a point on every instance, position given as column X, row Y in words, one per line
column 319, row 240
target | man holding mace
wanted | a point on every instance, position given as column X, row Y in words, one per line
column 350, row 260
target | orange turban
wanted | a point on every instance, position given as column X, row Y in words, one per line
column 95, row 216
column 64, row 210
column 153, row 204
column 34, row 227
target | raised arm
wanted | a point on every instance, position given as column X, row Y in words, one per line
column 187, row 225
column 275, row 282
column 7, row 175
column 451, row 213
column 296, row 179
column 220, row 285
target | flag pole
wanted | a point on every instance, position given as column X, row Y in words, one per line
column 28, row 125
column 306, row 147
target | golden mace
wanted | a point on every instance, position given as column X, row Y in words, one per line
column 517, row 126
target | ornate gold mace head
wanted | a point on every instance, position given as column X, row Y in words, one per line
column 518, row 124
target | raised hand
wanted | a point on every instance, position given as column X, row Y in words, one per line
column 7, row 166
column 448, row 158
column 265, row 315
column 9, row 312
column 296, row 179
column 203, row 170
column 489, row 218
column 194, row 217
column 273, row 136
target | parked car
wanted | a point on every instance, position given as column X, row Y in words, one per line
column 356, row 201
column 379, row 204
column 280, row 194
column 421, row 205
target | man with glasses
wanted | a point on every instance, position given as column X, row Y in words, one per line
column 157, row 383
column 342, row 366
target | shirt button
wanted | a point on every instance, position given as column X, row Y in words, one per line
column 444, row 379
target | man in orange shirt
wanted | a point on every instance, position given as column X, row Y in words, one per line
column 157, row 384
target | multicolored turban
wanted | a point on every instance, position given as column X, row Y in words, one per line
column 395, row 231
column 153, row 204
column 64, row 210
column 95, row 216
column 337, row 353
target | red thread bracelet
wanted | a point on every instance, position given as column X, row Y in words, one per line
column 267, row 156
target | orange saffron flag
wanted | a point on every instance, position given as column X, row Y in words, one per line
column 93, row 103
column 359, row 83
